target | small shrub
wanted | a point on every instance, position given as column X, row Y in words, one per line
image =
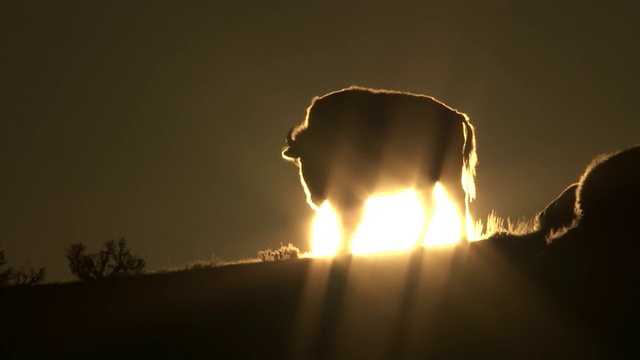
column 27, row 275
column 6, row 272
column 288, row 252
column 113, row 260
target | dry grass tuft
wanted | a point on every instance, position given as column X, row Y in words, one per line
column 285, row 252
column 498, row 224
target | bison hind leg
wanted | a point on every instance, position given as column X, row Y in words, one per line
column 425, row 195
column 456, row 194
column 459, row 197
column 350, row 216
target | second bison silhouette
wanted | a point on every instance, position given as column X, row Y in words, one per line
column 604, row 202
column 357, row 142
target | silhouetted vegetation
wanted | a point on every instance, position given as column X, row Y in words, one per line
column 113, row 260
column 288, row 252
column 27, row 275
column 5, row 271
column 207, row 264
column 202, row 264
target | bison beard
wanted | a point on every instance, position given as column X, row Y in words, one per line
column 357, row 142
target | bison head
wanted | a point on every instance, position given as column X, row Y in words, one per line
column 312, row 165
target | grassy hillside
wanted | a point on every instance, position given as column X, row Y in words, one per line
column 495, row 297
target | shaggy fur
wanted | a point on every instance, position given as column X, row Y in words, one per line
column 609, row 192
column 560, row 213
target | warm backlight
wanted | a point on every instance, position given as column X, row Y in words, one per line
column 445, row 223
column 390, row 223
column 325, row 234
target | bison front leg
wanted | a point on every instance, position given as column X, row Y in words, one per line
column 350, row 218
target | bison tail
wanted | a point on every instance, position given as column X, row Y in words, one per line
column 470, row 160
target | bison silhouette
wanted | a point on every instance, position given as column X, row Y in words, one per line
column 356, row 142
column 608, row 197
column 604, row 202
column 591, row 268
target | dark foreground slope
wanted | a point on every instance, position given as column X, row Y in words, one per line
column 490, row 298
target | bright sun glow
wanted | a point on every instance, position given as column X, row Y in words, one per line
column 445, row 223
column 390, row 223
column 325, row 233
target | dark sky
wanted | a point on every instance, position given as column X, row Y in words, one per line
column 162, row 122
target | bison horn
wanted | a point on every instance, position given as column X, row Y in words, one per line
column 290, row 137
column 291, row 150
